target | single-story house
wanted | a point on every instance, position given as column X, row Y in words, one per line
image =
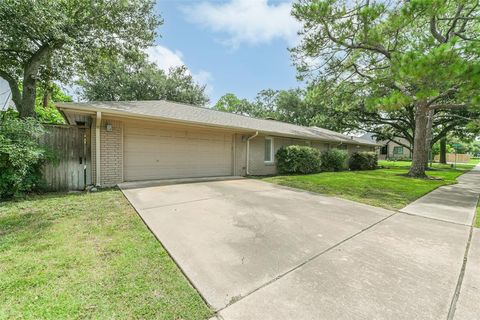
column 150, row 140
column 391, row 149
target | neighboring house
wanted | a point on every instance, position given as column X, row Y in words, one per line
column 149, row 140
column 390, row 149
column 5, row 95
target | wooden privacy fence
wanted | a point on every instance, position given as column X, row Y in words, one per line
column 71, row 168
column 461, row 157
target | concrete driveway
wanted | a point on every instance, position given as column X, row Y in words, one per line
column 259, row 251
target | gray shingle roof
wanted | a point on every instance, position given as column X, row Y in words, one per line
column 179, row 112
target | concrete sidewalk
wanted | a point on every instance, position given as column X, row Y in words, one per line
column 455, row 203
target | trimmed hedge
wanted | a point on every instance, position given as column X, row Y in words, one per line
column 298, row 159
column 363, row 161
column 334, row 160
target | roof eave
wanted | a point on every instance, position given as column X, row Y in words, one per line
column 88, row 109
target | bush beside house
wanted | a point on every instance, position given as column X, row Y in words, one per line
column 298, row 159
column 304, row 160
column 21, row 155
column 363, row 161
column 334, row 160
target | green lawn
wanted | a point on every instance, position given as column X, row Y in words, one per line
column 387, row 187
column 77, row 256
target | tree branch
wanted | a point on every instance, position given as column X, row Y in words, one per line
column 434, row 31
column 448, row 106
column 377, row 48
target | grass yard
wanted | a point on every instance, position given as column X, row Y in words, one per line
column 386, row 187
column 77, row 256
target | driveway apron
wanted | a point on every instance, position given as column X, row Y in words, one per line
column 260, row 251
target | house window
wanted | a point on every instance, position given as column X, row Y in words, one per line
column 268, row 150
column 397, row 150
column 384, row 150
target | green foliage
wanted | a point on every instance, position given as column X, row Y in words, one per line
column 55, row 40
column 231, row 103
column 47, row 94
column 334, row 160
column 49, row 115
column 298, row 159
column 293, row 106
column 137, row 79
column 363, row 161
column 405, row 59
column 21, row 155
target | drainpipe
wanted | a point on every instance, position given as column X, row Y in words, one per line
column 248, row 151
column 97, row 148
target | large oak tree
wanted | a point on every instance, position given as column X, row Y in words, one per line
column 419, row 54
column 63, row 38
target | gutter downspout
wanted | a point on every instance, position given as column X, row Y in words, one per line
column 248, row 151
column 97, row 148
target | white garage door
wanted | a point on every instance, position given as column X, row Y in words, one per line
column 162, row 152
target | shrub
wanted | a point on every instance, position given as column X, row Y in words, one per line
column 363, row 161
column 21, row 155
column 298, row 159
column 334, row 160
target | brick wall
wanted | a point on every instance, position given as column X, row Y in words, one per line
column 111, row 153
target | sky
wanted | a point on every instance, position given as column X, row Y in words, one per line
column 231, row 46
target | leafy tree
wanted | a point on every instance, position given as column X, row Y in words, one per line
column 137, row 79
column 283, row 105
column 345, row 111
column 231, row 103
column 420, row 54
column 181, row 87
column 52, row 40
column 45, row 108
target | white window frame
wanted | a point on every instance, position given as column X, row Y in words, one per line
column 272, row 154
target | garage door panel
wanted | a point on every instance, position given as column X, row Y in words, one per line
column 156, row 153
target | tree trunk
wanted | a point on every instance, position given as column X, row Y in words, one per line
column 429, row 137
column 443, row 150
column 46, row 96
column 417, row 170
column 27, row 108
column 30, row 74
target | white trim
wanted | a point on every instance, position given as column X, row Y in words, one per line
column 234, row 154
column 97, row 148
column 272, row 154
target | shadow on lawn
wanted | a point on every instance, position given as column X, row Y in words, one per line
column 26, row 219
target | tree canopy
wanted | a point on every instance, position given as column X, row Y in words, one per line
column 421, row 54
column 54, row 40
column 138, row 79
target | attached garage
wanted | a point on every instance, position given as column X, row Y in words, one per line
column 154, row 140
column 154, row 151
